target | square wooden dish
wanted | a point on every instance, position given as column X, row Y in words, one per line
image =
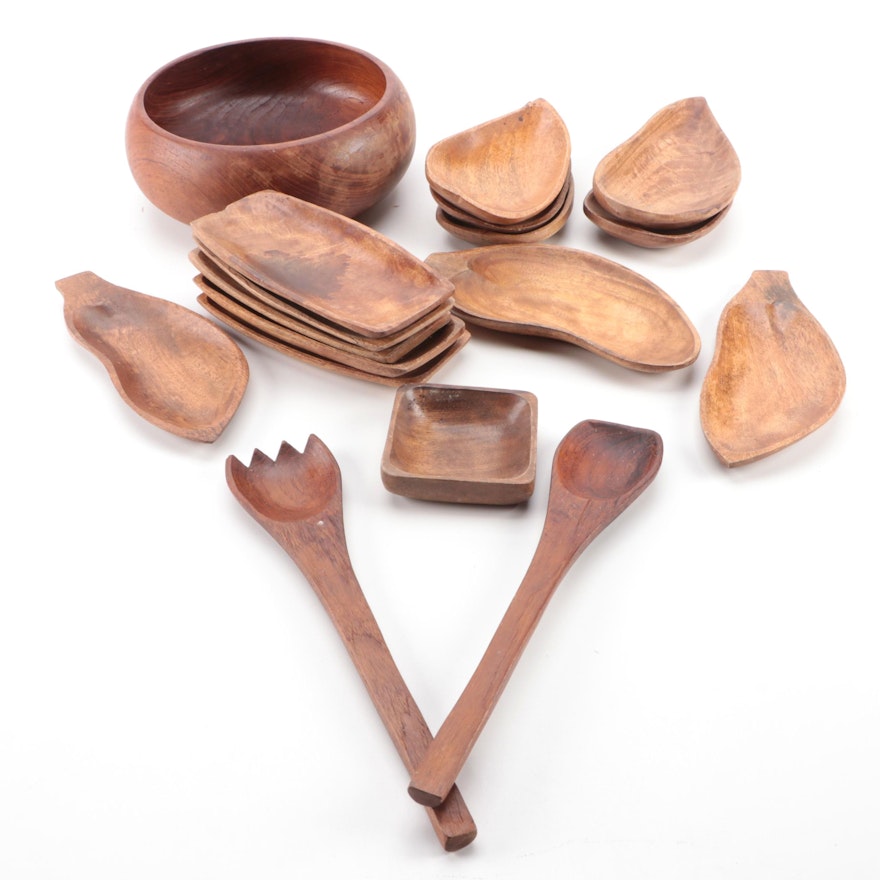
column 461, row 444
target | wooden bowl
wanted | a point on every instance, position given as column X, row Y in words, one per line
column 461, row 444
column 325, row 122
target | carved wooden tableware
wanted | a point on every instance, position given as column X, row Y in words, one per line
column 176, row 369
column 327, row 123
column 297, row 499
column 775, row 374
column 599, row 469
column 574, row 296
column 461, row 444
column 673, row 179
column 505, row 180
column 269, row 258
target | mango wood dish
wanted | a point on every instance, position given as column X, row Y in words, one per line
column 461, row 444
column 325, row 122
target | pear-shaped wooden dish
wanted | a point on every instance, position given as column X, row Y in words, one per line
column 678, row 170
column 648, row 238
column 504, row 170
column 574, row 296
column 775, row 375
column 322, row 261
column 461, row 444
column 279, row 310
column 173, row 367
column 422, row 374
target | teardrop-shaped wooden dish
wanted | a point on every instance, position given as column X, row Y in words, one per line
column 480, row 235
column 422, row 354
column 420, row 375
column 335, row 267
column 775, row 375
column 526, row 225
column 175, row 368
column 388, row 349
column 648, row 238
column 679, row 169
column 504, row 170
column 574, row 296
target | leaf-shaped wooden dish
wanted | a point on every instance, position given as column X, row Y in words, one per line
column 775, row 375
column 574, row 296
column 321, row 261
column 504, row 170
column 648, row 238
column 678, row 170
column 173, row 367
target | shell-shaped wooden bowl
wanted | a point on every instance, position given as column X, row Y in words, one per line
column 325, row 122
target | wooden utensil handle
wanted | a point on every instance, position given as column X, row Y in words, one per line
column 434, row 779
column 337, row 586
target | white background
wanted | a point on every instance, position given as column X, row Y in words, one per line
column 701, row 698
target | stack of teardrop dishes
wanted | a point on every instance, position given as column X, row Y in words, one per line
column 670, row 183
column 325, row 289
column 504, row 181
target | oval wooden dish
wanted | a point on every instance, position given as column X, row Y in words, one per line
column 574, row 296
column 173, row 367
column 328, row 123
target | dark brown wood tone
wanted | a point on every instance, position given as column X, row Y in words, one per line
column 327, row 123
column 297, row 499
column 173, row 367
column 599, row 469
column 775, row 374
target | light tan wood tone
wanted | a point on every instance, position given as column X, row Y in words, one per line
column 173, row 367
column 324, row 122
column 336, row 267
column 480, row 235
column 679, row 169
column 504, row 170
column 648, row 238
column 461, row 444
column 599, row 469
column 775, row 375
column 574, row 296
column 422, row 374
column 297, row 499
column 299, row 319
column 414, row 360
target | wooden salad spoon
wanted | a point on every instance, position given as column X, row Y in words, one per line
column 173, row 367
column 679, row 169
column 573, row 296
column 297, row 499
column 599, row 469
column 775, row 375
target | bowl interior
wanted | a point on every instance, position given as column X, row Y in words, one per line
column 467, row 434
column 263, row 92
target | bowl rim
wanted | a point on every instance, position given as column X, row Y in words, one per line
column 139, row 109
